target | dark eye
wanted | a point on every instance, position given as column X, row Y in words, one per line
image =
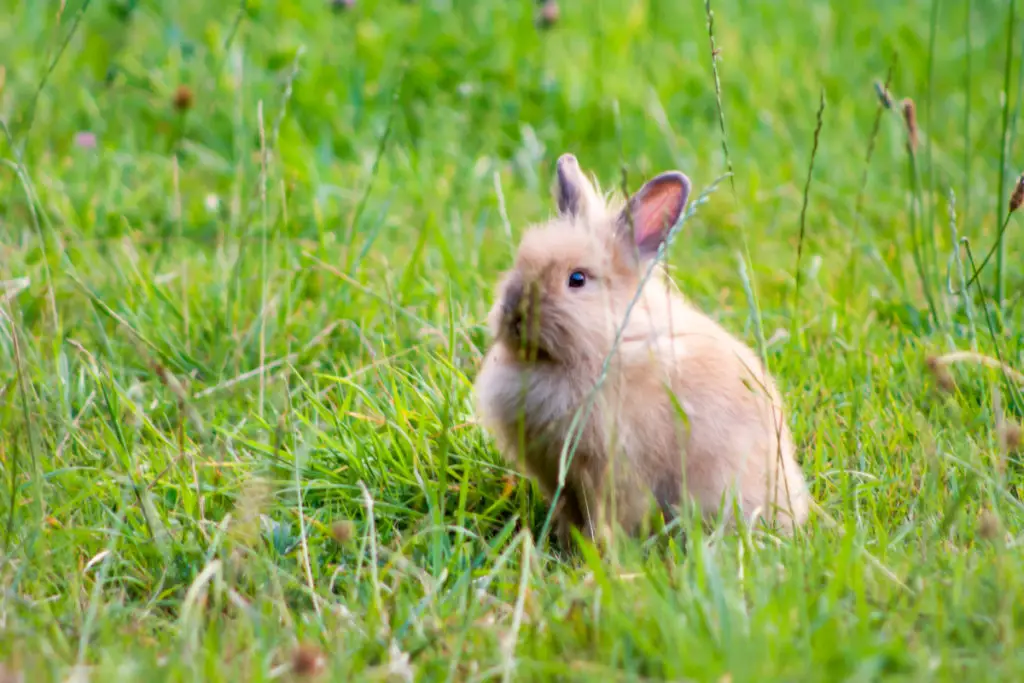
column 577, row 278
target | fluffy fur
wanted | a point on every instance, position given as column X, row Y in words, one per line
column 552, row 337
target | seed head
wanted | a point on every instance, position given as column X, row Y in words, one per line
column 343, row 531
column 549, row 14
column 308, row 661
column 883, row 95
column 183, row 98
column 941, row 373
column 988, row 525
column 910, row 117
column 1010, row 437
column 1017, row 198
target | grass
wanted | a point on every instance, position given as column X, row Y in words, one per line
column 238, row 337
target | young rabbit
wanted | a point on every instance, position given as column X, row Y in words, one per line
column 684, row 408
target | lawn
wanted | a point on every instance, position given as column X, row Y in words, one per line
column 246, row 254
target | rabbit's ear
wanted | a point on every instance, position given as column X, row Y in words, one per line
column 575, row 194
column 651, row 213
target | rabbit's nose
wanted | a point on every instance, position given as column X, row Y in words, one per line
column 515, row 323
column 512, row 306
column 514, row 297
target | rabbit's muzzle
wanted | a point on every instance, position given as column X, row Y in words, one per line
column 521, row 312
column 512, row 309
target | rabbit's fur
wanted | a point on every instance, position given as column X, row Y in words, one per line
column 551, row 341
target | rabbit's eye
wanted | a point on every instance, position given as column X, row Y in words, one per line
column 577, row 278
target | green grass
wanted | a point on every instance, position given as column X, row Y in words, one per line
column 337, row 217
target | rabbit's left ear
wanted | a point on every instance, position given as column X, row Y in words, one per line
column 650, row 214
column 575, row 194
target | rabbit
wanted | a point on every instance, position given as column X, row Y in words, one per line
column 685, row 408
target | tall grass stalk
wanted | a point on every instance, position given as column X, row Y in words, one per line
column 1003, row 151
column 574, row 434
column 28, row 117
column 993, row 328
column 803, row 214
column 965, row 212
column 927, row 197
column 710, row 15
column 961, row 273
column 914, row 209
column 884, row 104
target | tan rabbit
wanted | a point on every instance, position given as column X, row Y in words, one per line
column 555, row 321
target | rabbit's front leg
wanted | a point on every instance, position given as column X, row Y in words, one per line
column 566, row 516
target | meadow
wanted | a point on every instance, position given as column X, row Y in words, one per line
column 246, row 254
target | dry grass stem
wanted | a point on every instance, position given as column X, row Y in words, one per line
column 910, row 119
column 939, row 364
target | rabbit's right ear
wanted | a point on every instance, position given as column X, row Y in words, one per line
column 575, row 194
column 650, row 214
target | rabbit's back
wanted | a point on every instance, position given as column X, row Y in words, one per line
column 732, row 433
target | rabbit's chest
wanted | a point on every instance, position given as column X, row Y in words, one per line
column 538, row 402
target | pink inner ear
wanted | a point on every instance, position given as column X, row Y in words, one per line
column 655, row 213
